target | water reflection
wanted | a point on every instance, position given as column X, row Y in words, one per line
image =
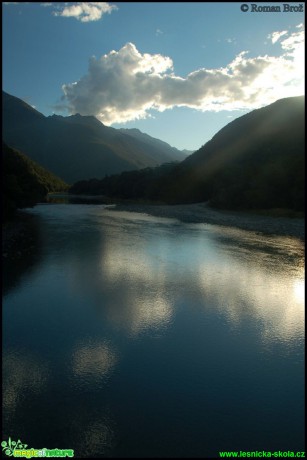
column 93, row 361
column 92, row 434
column 137, row 268
column 260, row 277
column 23, row 376
column 23, row 256
column 141, row 272
column 236, row 273
column 141, row 315
column 130, row 270
column 222, row 306
column 268, row 297
column 299, row 290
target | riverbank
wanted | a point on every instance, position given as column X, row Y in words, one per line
column 202, row 213
column 20, row 235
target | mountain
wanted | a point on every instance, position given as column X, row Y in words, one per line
column 158, row 145
column 188, row 152
column 14, row 107
column 78, row 147
column 24, row 181
column 255, row 162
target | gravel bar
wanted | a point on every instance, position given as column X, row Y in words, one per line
column 202, row 213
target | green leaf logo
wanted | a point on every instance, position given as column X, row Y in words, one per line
column 9, row 446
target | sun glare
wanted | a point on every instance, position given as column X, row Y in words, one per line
column 299, row 290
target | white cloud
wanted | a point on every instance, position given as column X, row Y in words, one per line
column 293, row 41
column 124, row 85
column 159, row 32
column 84, row 11
column 275, row 36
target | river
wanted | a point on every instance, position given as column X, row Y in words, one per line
column 137, row 336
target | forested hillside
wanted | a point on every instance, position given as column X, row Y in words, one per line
column 24, row 181
column 255, row 162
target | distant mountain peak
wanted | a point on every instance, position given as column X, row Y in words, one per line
column 80, row 147
column 135, row 132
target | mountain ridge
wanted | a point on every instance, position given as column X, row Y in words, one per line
column 78, row 147
column 250, row 160
column 255, row 162
column 137, row 134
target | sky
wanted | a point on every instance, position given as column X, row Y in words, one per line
column 176, row 71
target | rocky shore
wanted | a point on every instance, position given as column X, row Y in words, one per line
column 202, row 213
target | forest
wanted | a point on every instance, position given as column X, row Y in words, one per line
column 24, row 182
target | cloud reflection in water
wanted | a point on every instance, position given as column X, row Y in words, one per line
column 23, row 374
column 146, row 267
column 107, row 279
column 259, row 277
column 93, row 361
column 234, row 272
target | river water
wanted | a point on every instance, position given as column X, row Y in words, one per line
column 138, row 336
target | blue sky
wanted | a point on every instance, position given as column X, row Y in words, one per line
column 177, row 71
